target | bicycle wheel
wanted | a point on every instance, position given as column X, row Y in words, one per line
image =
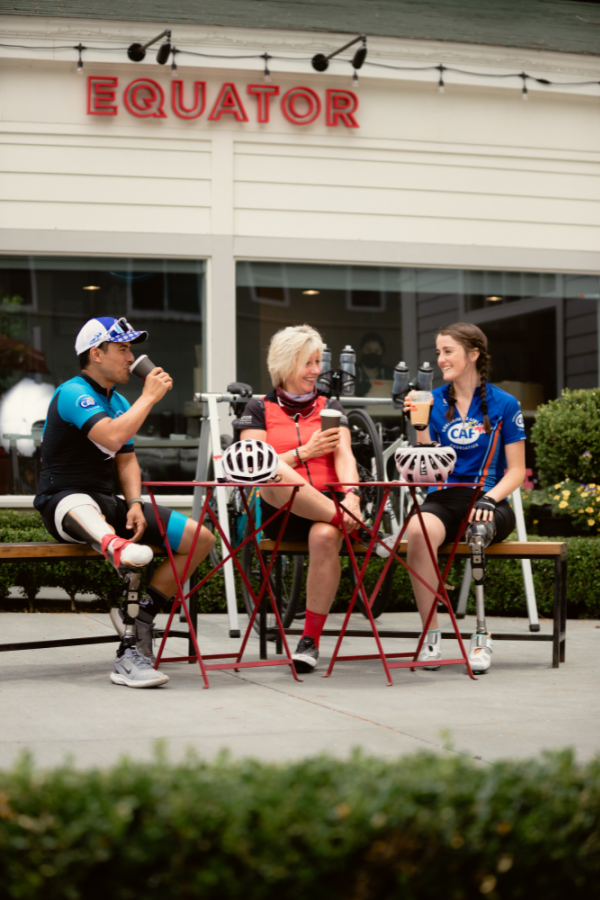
column 292, row 580
column 366, row 447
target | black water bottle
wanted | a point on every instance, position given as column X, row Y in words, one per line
column 425, row 377
column 400, row 385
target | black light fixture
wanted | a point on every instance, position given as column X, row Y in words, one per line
column 525, row 93
column 137, row 52
column 174, row 71
column 320, row 62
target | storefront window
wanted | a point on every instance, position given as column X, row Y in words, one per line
column 44, row 301
column 356, row 305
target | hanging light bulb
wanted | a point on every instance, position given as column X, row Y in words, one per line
column 266, row 73
column 174, row 72
column 80, row 47
column 525, row 93
column 355, row 80
column 441, row 86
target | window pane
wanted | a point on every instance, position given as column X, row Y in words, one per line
column 356, row 305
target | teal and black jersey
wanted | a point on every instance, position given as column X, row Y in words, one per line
column 71, row 461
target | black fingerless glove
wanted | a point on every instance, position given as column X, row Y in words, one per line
column 486, row 503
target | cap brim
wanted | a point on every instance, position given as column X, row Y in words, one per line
column 132, row 337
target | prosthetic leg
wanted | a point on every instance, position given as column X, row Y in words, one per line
column 480, row 535
column 78, row 519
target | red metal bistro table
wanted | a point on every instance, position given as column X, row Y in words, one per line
column 438, row 591
column 229, row 553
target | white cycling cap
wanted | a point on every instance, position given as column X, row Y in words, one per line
column 105, row 328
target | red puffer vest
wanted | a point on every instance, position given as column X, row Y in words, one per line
column 286, row 433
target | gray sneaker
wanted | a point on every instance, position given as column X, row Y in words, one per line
column 144, row 633
column 134, row 670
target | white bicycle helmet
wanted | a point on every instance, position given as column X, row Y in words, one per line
column 250, row 461
column 429, row 464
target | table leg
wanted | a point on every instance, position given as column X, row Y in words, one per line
column 193, row 608
column 279, row 598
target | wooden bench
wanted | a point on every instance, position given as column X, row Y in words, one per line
column 553, row 550
column 52, row 551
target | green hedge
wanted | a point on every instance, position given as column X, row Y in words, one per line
column 566, row 436
column 416, row 828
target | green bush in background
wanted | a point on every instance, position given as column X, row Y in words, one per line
column 566, row 436
column 417, row 828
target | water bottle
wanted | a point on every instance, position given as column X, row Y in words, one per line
column 348, row 369
column 425, row 377
column 324, row 379
column 400, row 385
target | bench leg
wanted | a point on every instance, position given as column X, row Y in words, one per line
column 262, row 625
column 278, row 599
column 563, row 616
column 557, row 616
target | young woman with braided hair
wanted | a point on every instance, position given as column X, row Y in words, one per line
column 484, row 425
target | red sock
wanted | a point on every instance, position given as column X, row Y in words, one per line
column 314, row 625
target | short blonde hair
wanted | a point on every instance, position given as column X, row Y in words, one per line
column 290, row 349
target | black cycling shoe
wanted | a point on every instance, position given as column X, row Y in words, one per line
column 363, row 537
column 306, row 655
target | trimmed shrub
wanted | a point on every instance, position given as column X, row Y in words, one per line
column 417, row 828
column 566, row 435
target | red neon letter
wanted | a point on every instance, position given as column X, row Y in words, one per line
column 290, row 109
column 101, row 96
column 228, row 101
column 144, row 98
column 199, row 100
column 340, row 107
column 263, row 93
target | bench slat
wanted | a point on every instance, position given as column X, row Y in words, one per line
column 52, row 550
column 506, row 548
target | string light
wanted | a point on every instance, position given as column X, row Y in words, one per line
column 267, row 74
column 525, row 93
column 174, row 72
column 80, row 47
column 355, row 80
column 441, row 86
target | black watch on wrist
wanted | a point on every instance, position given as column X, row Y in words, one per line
column 354, row 491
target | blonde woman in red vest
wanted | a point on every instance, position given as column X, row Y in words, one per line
column 288, row 418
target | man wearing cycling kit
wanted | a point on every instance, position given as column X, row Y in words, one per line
column 87, row 441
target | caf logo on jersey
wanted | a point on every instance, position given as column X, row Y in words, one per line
column 465, row 433
column 86, row 402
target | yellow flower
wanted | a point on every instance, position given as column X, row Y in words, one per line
column 557, row 497
column 589, row 509
column 591, row 522
column 556, row 486
column 562, row 504
column 536, row 522
column 566, row 493
column 579, row 490
column 579, row 510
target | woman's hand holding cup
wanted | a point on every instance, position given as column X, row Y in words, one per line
column 320, row 443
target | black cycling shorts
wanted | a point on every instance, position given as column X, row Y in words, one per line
column 114, row 509
column 297, row 528
column 451, row 505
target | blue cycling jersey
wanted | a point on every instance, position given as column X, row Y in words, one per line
column 480, row 456
column 70, row 459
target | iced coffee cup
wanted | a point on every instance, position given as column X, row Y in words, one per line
column 330, row 418
column 420, row 409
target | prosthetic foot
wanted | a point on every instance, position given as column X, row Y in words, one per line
column 479, row 536
column 78, row 519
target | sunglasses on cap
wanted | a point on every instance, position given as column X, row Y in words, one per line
column 120, row 326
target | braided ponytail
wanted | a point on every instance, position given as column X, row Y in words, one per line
column 472, row 338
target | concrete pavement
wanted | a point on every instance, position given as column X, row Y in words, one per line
column 60, row 701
